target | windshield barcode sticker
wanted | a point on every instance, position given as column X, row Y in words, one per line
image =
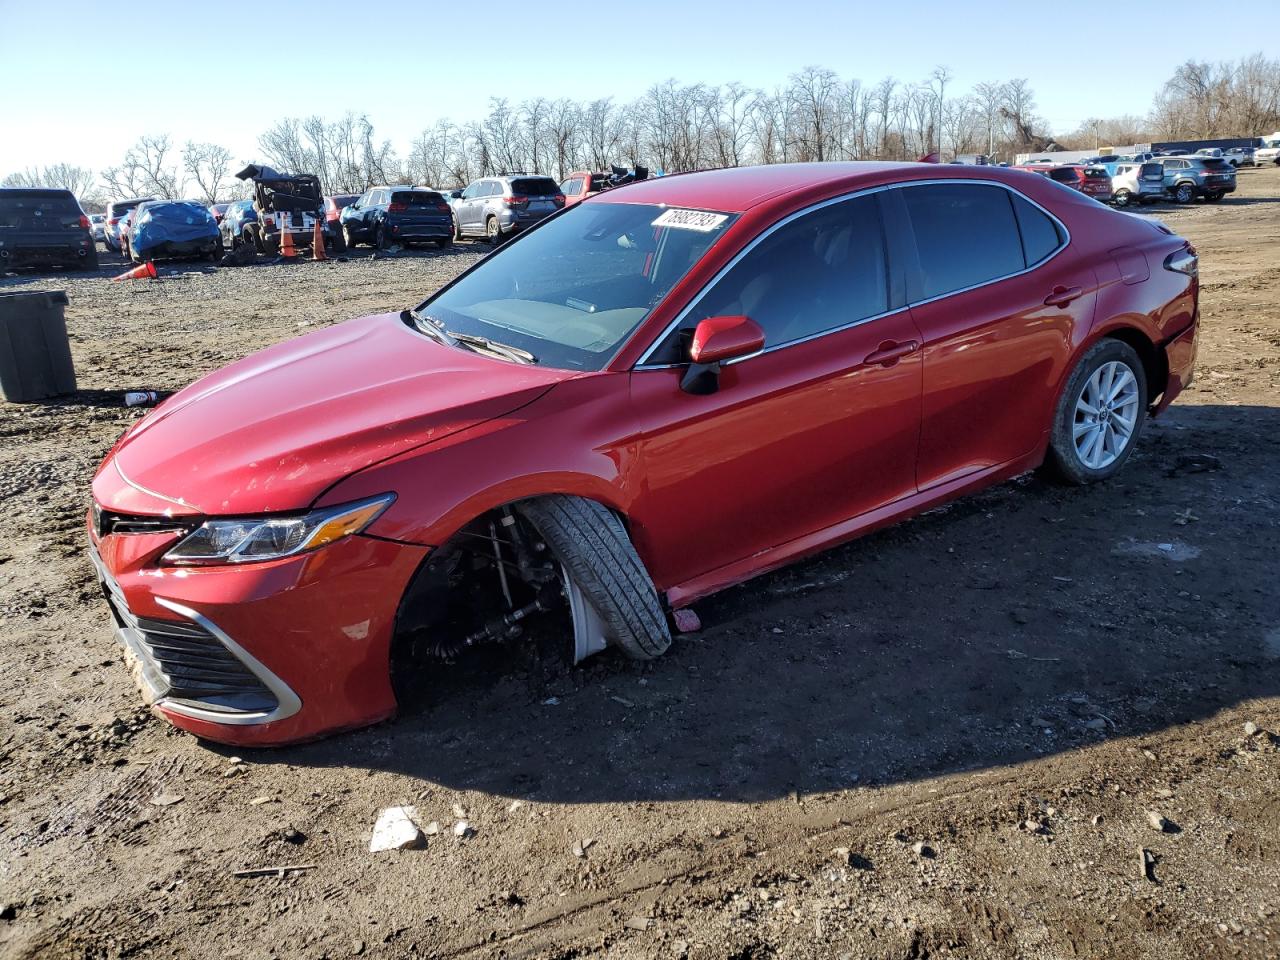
column 698, row 220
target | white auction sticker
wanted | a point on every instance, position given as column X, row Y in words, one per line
column 699, row 220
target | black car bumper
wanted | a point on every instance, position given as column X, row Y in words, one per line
column 37, row 252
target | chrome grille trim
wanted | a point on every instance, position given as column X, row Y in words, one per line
column 192, row 667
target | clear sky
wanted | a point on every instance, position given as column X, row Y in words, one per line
column 82, row 80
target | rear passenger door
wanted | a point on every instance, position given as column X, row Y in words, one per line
column 1001, row 301
column 467, row 206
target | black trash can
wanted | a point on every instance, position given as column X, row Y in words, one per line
column 35, row 357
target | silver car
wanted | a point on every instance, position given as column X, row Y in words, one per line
column 494, row 207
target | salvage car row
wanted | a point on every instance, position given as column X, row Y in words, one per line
column 1145, row 178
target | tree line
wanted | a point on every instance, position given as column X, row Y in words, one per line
column 815, row 115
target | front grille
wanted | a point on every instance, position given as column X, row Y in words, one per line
column 106, row 522
column 184, row 661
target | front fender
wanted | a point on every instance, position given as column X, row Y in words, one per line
column 573, row 440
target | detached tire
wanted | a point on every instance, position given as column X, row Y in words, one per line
column 589, row 539
column 1099, row 415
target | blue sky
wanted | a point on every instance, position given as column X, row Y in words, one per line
column 82, row 80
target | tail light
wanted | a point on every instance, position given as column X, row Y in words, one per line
column 397, row 207
column 269, row 223
column 84, row 221
column 1184, row 261
column 515, row 200
column 559, row 199
column 443, row 207
column 113, row 221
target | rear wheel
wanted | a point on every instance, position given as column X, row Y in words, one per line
column 348, row 238
column 1099, row 415
column 492, row 232
column 380, row 237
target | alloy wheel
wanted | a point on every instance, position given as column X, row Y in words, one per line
column 1105, row 415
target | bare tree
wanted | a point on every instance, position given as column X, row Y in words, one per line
column 209, row 167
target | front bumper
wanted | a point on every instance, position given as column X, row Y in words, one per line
column 259, row 654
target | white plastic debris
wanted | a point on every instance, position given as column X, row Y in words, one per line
column 462, row 829
column 396, row 829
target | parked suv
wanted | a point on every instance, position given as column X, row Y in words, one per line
column 1186, row 178
column 497, row 206
column 284, row 203
column 1091, row 181
column 1134, row 182
column 44, row 228
column 387, row 215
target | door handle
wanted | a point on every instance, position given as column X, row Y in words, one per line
column 890, row 352
column 1061, row 296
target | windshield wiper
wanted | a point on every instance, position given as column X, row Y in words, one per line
column 501, row 349
column 430, row 327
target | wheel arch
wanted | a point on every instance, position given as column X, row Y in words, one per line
column 1155, row 365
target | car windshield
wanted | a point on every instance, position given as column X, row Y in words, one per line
column 571, row 291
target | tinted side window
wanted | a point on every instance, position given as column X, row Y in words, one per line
column 1040, row 235
column 965, row 234
column 823, row 270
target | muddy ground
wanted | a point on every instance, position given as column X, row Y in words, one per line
column 1014, row 682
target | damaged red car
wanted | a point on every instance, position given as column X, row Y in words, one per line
column 668, row 389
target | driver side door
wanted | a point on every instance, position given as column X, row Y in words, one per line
column 820, row 427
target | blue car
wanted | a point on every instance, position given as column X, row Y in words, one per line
column 237, row 224
column 171, row 229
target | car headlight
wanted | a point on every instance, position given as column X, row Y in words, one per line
column 269, row 538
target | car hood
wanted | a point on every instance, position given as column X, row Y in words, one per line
column 275, row 430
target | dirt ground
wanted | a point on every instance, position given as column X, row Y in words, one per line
column 1015, row 682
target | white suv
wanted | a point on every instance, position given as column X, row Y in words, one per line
column 1137, row 181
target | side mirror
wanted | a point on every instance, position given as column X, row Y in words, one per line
column 715, row 340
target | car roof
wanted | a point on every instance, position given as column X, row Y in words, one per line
column 738, row 189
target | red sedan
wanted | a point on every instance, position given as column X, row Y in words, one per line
column 670, row 388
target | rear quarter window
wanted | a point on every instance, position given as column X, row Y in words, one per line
column 1040, row 235
column 966, row 234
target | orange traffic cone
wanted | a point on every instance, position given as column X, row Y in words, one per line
column 286, row 244
column 143, row 271
column 317, row 244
